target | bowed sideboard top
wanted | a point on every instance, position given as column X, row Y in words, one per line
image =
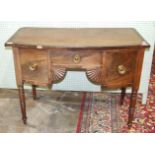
column 77, row 37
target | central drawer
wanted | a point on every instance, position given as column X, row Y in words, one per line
column 80, row 59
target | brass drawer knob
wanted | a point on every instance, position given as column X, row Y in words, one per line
column 76, row 58
column 33, row 67
column 122, row 69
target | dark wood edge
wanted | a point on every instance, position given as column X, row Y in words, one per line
column 148, row 45
column 115, row 86
column 77, row 48
column 37, row 83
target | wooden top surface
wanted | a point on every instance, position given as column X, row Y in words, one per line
column 77, row 37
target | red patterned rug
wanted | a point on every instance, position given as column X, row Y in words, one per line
column 103, row 113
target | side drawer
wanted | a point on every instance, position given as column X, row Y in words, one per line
column 119, row 67
column 34, row 65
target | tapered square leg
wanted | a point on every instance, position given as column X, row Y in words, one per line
column 132, row 107
column 34, row 92
column 122, row 96
column 22, row 103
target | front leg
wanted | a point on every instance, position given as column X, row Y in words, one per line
column 122, row 95
column 132, row 106
column 34, row 92
column 22, row 103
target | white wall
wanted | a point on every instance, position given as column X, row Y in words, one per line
column 74, row 80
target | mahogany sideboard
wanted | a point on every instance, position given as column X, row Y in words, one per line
column 110, row 57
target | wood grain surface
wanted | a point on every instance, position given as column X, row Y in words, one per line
column 76, row 37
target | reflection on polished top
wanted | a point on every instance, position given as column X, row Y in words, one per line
column 77, row 37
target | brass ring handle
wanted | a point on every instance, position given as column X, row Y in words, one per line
column 121, row 69
column 33, row 67
column 76, row 58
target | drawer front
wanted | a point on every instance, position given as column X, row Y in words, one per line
column 76, row 58
column 34, row 65
column 119, row 67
